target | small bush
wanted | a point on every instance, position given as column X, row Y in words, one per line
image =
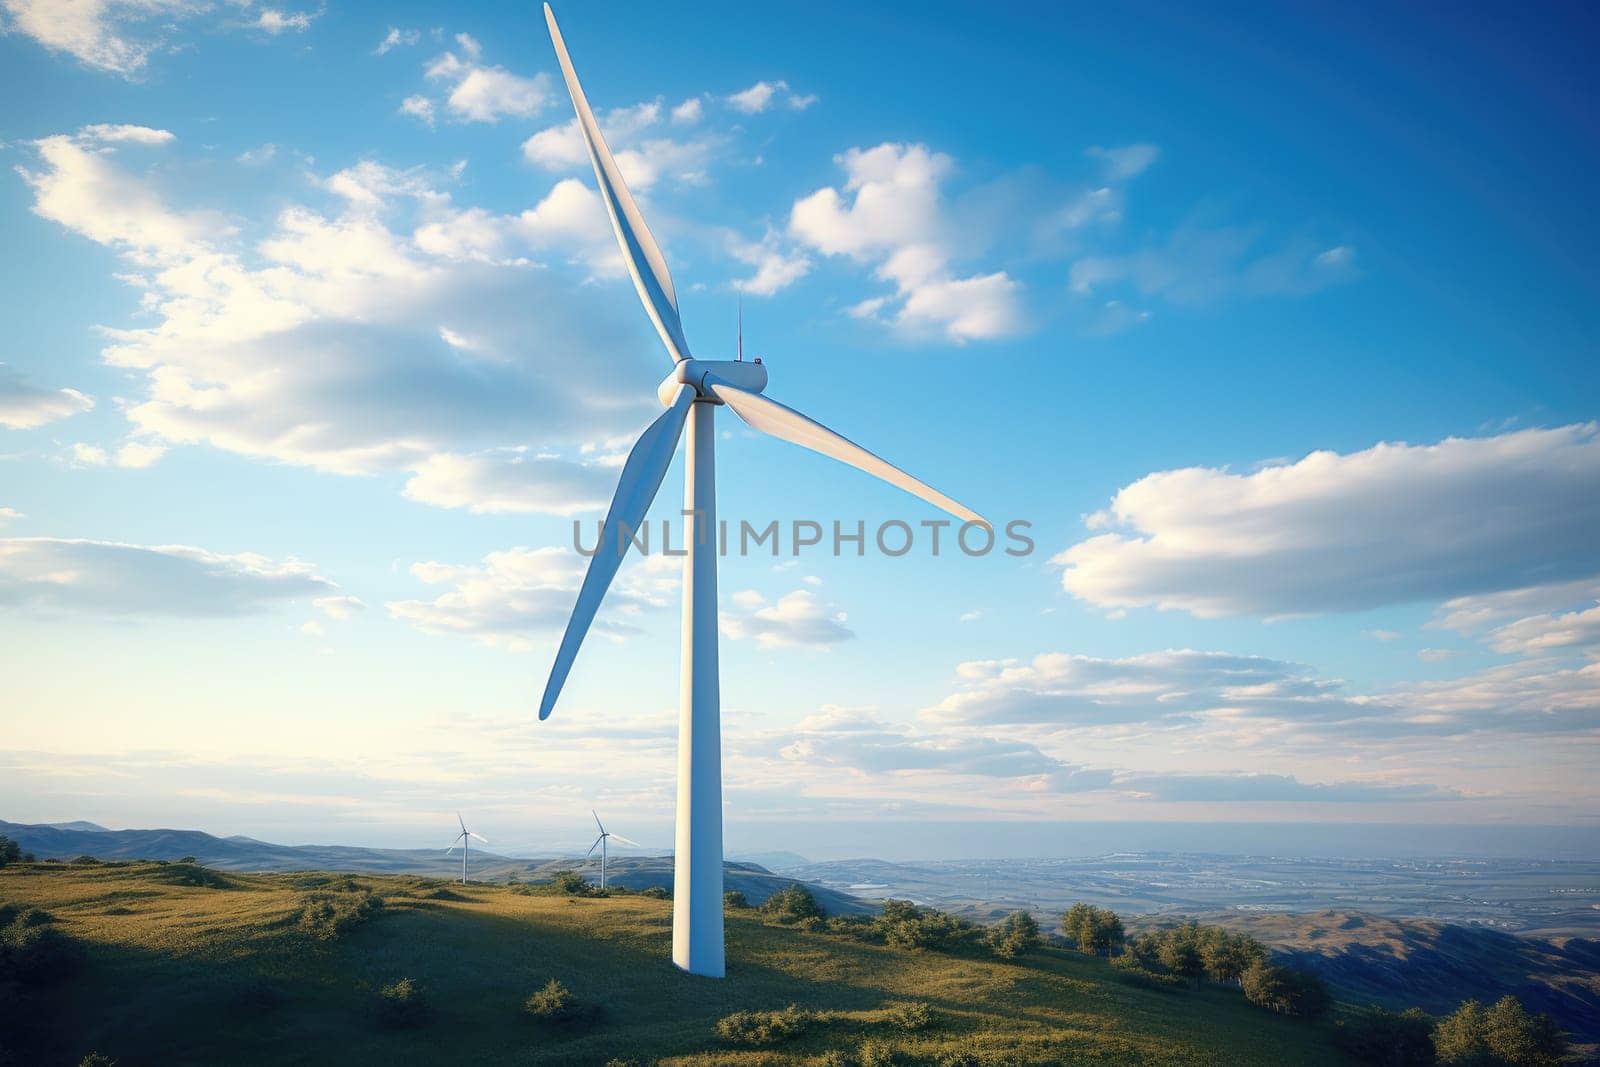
column 87, row 860
column 571, row 883
column 734, row 899
column 875, row 1053
column 759, row 1028
column 96, row 1059
column 910, row 1016
column 657, row 892
column 791, row 904
column 402, row 1005
column 329, row 917
column 1016, row 935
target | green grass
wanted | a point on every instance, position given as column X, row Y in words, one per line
column 185, row 968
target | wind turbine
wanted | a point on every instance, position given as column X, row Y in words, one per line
column 600, row 843
column 691, row 394
column 464, row 839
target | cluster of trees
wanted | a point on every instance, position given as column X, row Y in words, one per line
column 1097, row 931
column 1504, row 1035
column 904, row 925
column 11, row 852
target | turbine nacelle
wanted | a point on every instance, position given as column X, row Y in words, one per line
column 700, row 374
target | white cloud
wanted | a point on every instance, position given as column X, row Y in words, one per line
column 1196, row 266
column 321, row 343
column 521, row 593
column 492, row 483
column 776, row 267
column 53, row 576
column 139, row 454
column 396, row 38
column 479, row 93
column 123, row 133
column 1381, row 635
column 339, row 607
column 111, row 35
column 689, row 112
column 255, row 157
column 800, row 103
column 644, row 159
column 758, row 97
column 1125, row 161
column 273, row 21
column 24, row 405
column 418, row 107
column 89, row 455
column 9, row 515
column 1393, row 524
column 889, row 214
column 797, row 619
column 1542, row 634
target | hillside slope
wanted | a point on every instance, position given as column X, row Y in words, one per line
column 187, row 966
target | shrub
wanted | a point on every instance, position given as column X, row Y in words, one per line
column 10, row 851
column 86, row 860
column 1389, row 1038
column 96, row 1059
column 1017, row 934
column 904, row 925
column 875, row 1054
column 571, row 883
column 911, row 1015
column 793, row 903
column 764, row 1027
column 32, row 950
column 734, row 899
column 329, row 916
column 1130, row 971
column 557, row 1004
column 657, row 892
column 402, row 1005
column 1285, row 990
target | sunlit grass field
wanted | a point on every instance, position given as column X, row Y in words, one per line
column 190, row 966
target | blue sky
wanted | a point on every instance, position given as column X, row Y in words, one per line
column 1277, row 326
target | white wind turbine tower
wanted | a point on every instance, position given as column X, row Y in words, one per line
column 464, row 839
column 691, row 394
column 600, row 843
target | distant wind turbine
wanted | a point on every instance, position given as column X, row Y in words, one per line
column 600, row 843
column 464, row 839
column 691, row 393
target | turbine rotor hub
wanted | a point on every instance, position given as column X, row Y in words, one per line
column 751, row 377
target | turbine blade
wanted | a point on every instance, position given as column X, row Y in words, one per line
column 449, row 850
column 597, row 821
column 480, row 837
column 592, row 847
column 463, row 822
column 645, row 262
column 770, row 417
column 625, row 841
column 641, row 478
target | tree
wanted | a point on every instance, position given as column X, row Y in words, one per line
column 1473, row 1036
column 1179, row 951
column 733, row 898
column 793, row 903
column 1227, row 956
column 1096, row 931
column 10, row 851
column 1017, row 934
column 1285, row 990
column 1389, row 1039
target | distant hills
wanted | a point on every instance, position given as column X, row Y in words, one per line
column 68, row 840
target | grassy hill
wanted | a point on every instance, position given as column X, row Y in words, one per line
column 183, row 965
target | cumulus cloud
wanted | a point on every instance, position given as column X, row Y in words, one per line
column 273, row 21
column 1393, row 524
column 476, row 92
column 776, row 267
column 631, row 133
column 889, row 214
column 491, row 483
column 1067, row 690
column 1125, row 161
column 324, row 343
column 418, row 107
column 111, row 35
column 9, row 515
column 520, row 594
column 763, row 94
column 688, row 113
column 797, row 619
column 339, row 607
column 1539, row 634
column 53, row 576
column 24, row 405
